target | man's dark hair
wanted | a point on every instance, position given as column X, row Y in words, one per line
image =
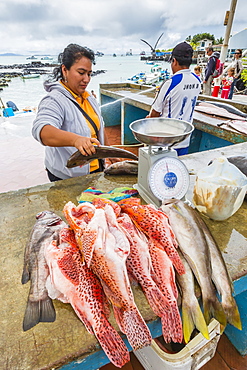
column 183, row 62
column 183, row 53
column 209, row 48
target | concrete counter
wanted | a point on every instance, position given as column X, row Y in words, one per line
column 52, row 345
column 123, row 103
column 47, row 345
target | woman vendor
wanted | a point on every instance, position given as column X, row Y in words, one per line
column 69, row 116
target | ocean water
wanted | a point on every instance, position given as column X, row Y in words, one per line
column 28, row 93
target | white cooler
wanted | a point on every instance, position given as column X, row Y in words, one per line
column 192, row 357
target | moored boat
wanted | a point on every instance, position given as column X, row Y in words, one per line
column 31, row 57
column 30, row 75
column 46, row 58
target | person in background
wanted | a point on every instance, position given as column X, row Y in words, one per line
column 210, row 68
column 227, row 82
column 238, row 67
column 177, row 96
column 93, row 93
column 60, row 124
column 198, row 71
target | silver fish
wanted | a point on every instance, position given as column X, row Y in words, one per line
column 192, row 315
column 78, row 159
column 230, row 108
column 39, row 306
column 240, row 161
column 122, row 168
column 221, row 277
column 193, row 245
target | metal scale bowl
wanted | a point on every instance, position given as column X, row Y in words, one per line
column 161, row 175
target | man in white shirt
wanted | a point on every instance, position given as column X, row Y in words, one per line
column 177, row 96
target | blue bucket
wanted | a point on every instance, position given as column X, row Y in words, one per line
column 8, row 112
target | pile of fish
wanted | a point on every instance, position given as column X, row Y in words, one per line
column 90, row 262
column 232, row 117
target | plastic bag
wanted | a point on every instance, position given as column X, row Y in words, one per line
column 219, row 190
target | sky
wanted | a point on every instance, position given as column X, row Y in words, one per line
column 46, row 27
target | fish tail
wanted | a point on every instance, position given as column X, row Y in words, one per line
column 136, row 329
column 172, row 325
column 112, row 344
column 38, row 311
column 192, row 317
column 118, row 314
column 25, row 275
column 177, row 263
column 232, row 313
column 157, row 301
column 213, row 308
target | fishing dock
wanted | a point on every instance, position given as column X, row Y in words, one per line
column 123, row 103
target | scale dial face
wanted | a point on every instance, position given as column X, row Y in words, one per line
column 168, row 178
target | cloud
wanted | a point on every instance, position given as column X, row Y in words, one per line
column 44, row 26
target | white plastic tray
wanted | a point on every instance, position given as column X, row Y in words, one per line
column 192, row 357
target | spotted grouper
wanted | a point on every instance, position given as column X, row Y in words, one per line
column 140, row 266
column 164, row 276
column 73, row 282
column 107, row 249
column 154, row 224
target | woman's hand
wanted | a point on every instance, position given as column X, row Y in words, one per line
column 52, row 136
column 85, row 145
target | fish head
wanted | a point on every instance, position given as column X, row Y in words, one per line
column 78, row 159
column 67, row 235
column 44, row 214
column 78, row 216
column 102, row 202
column 129, row 202
column 49, row 218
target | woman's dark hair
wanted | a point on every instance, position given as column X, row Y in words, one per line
column 68, row 57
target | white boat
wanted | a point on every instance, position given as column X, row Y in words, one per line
column 32, row 57
column 157, row 74
column 30, row 75
column 154, row 75
column 46, row 58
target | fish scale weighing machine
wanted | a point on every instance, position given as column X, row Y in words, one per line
column 161, row 175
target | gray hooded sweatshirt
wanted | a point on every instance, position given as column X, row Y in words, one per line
column 57, row 110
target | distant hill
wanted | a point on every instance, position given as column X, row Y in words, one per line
column 9, row 54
